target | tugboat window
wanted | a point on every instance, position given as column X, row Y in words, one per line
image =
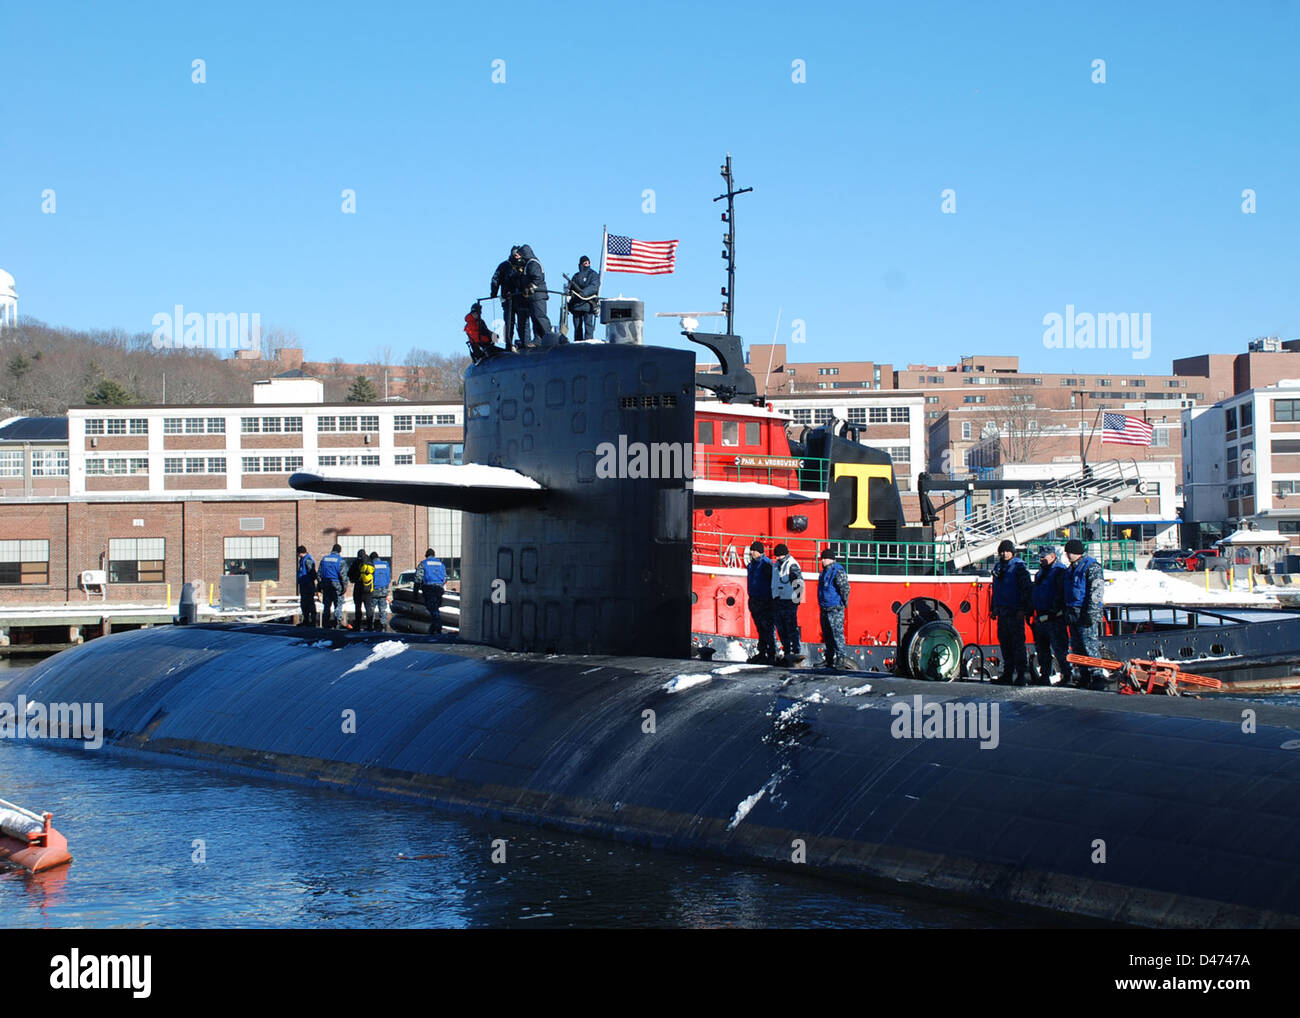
column 706, row 432
column 731, row 433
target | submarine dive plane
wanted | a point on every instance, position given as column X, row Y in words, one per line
column 571, row 699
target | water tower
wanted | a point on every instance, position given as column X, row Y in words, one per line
column 8, row 300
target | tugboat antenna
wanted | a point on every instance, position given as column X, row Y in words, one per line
column 729, row 242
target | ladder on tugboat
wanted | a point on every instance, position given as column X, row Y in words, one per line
column 1034, row 512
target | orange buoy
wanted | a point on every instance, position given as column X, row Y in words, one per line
column 29, row 841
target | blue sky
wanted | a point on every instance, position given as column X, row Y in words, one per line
column 225, row 196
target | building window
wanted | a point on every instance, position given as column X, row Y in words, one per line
column 94, row 425
column 258, row 558
column 453, row 452
column 446, row 418
column 402, row 422
column 50, row 463
column 1247, row 415
column 1231, row 422
column 115, row 425
column 899, row 414
column 878, row 415
column 216, row 425
column 823, row 416
column 353, row 543
column 348, row 423
column 828, row 371
column 370, row 460
column 973, row 399
column 932, row 399
column 325, row 423
column 24, row 562
column 194, row 425
column 250, row 425
column 11, row 464
column 136, row 559
column 293, row 425
column 173, row 465
column 965, row 429
column 139, row 425
column 292, row 464
column 857, row 415
column 1069, row 381
column 426, row 420
column 1104, row 382
column 252, row 464
column 270, row 425
column 172, row 425
column 271, row 465
column 370, row 422
column 802, row 415
column 116, row 466
column 404, row 459
column 1286, row 446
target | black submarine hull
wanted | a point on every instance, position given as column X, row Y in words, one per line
column 1139, row 810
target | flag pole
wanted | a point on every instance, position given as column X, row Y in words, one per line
column 604, row 243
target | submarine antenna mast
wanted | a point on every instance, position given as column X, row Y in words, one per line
column 729, row 242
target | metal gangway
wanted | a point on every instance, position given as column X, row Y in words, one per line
column 1040, row 510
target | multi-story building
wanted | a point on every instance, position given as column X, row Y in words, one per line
column 1241, row 460
column 159, row 495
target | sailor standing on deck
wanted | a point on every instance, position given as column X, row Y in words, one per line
column 1012, row 598
column 431, row 583
column 583, row 288
column 332, row 586
column 380, row 579
column 787, row 595
column 1051, row 636
column 1084, row 611
column 503, row 282
column 306, row 587
column 759, row 591
column 530, row 296
column 360, row 592
column 833, row 599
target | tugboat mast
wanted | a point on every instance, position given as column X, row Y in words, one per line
column 729, row 242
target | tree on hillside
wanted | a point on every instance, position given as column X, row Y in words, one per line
column 108, row 393
column 362, row 390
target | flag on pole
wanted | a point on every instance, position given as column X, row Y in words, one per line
column 652, row 257
column 1125, row 430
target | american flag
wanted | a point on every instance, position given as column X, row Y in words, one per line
column 653, row 257
column 1125, row 430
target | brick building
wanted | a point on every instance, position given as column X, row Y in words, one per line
column 158, row 495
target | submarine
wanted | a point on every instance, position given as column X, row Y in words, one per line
column 571, row 698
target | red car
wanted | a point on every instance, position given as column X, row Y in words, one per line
column 1206, row 558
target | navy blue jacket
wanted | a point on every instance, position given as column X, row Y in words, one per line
column 1084, row 595
column 306, row 573
column 432, row 573
column 382, row 576
column 1012, row 587
column 585, row 283
column 331, row 567
column 1049, row 590
column 531, row 274
column 505, row 278
column 760, row 579
column 833, row 587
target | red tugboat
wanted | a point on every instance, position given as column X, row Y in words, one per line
column 28, row 841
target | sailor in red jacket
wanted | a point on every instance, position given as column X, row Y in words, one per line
column 482, row 340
